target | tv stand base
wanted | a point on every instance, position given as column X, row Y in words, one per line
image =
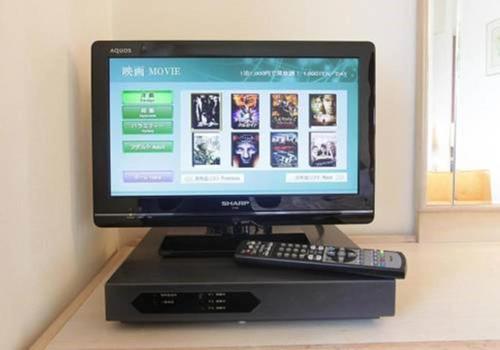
column 221, row 240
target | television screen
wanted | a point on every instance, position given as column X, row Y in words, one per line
column 202, row 126
column 223, row 132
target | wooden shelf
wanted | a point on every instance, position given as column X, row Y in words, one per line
column 449, row 300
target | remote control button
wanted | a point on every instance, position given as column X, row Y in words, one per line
column 294, row 256
column 318, row 257
column 279, row 255
column 350, row 256
column 302, row 256
column 313, row 247
column 320, row 248
column 331, row 252
column 286, row 255
column 310, row 257
column 304, row 246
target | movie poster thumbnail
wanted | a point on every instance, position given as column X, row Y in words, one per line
column 323, row 149
column 245, row 149
column 245, row 111
column 206, row 111
column 284, row 111
column 206, row 149
column 322, row 110
column 284, row 150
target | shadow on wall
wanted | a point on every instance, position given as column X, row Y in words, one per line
column 85, row 233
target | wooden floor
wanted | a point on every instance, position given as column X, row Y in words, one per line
column 469, row 345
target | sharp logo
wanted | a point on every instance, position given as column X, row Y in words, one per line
column 120, row 50
column 235, row 204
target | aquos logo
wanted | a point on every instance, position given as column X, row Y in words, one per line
column 236, row 204
column 120, row 50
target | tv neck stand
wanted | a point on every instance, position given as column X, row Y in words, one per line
column 223, row 240
column 240, row 229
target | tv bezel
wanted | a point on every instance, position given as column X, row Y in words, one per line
column 133, row 211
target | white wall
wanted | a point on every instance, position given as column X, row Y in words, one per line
column 390, row 24
column 49, row 248
column 478, row 107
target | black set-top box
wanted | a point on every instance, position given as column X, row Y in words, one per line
column 150, row 288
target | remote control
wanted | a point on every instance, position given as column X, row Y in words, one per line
column 370, row 262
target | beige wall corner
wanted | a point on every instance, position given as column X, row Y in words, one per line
column 49, row 246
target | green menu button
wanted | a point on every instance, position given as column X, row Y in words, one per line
column 137, row 97
column 147, row 112
column 148, row 146
column 148, row 127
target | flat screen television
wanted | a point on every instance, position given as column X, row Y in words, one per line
column 226, row 132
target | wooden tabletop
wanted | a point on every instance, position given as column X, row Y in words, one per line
column 450, row 299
